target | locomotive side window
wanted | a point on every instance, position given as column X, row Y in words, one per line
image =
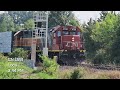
column 54, row 34
column 59, row 33
column 78, row 33
column 72, row 33
column 65, row 32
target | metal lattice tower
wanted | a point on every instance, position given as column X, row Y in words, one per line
column 40, row 32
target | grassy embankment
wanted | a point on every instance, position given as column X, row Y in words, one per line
column 50, row 70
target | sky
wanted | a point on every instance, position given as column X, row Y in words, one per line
column 84, row 16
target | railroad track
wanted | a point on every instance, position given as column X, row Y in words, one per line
column 95, row 66
column 101, row 67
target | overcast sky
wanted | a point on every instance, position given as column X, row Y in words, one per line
column 84, row 16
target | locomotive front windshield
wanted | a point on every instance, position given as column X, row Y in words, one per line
column 72, row 33
column 65, row 33
column 69, row 33
column 78, row 33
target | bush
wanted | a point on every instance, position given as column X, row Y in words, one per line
column 50, row 66
column 3, row 58
column 18, row 53
column 99, row 57
column 77, row 73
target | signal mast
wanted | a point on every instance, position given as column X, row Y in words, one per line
column 40, row 32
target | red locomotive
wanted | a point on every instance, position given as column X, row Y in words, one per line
column 66, row 42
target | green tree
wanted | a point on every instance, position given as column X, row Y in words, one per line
column 3, row 26
column 105, row 30
column 74, row 22
column 90, row 45
column 20, row 16
column 7, row 23
column 103, row 34
column 55, row 17
column 115, row 48
column 103, row 14
column 11, row 25
column 62, row 18
column 29, row 24
column 17, row 27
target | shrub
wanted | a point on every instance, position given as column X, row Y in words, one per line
column 77, row 73
column 50, row 66
column 3, row 58
column 99, row 57
column 18, row 53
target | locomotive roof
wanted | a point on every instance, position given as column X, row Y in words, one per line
column 16, row 33
column 51, row 30
column 57, row 27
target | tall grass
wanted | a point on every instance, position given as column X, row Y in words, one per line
column 87, row 73
column 11, row 70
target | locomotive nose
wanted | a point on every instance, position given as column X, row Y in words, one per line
column 71, row 42
column 72, row 45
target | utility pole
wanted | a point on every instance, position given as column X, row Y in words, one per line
column 40, row 32
column 45, row 50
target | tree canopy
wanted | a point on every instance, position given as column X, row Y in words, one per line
column 103, row 35
column 13, row 20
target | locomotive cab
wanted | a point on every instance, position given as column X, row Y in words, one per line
column 71, row 40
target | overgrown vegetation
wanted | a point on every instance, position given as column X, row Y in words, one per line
column 18, row 20
column 11, row 70
column 50, row 68
column 102, row 44
column 87, row 73
column 102, row 38
column 18, row 53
